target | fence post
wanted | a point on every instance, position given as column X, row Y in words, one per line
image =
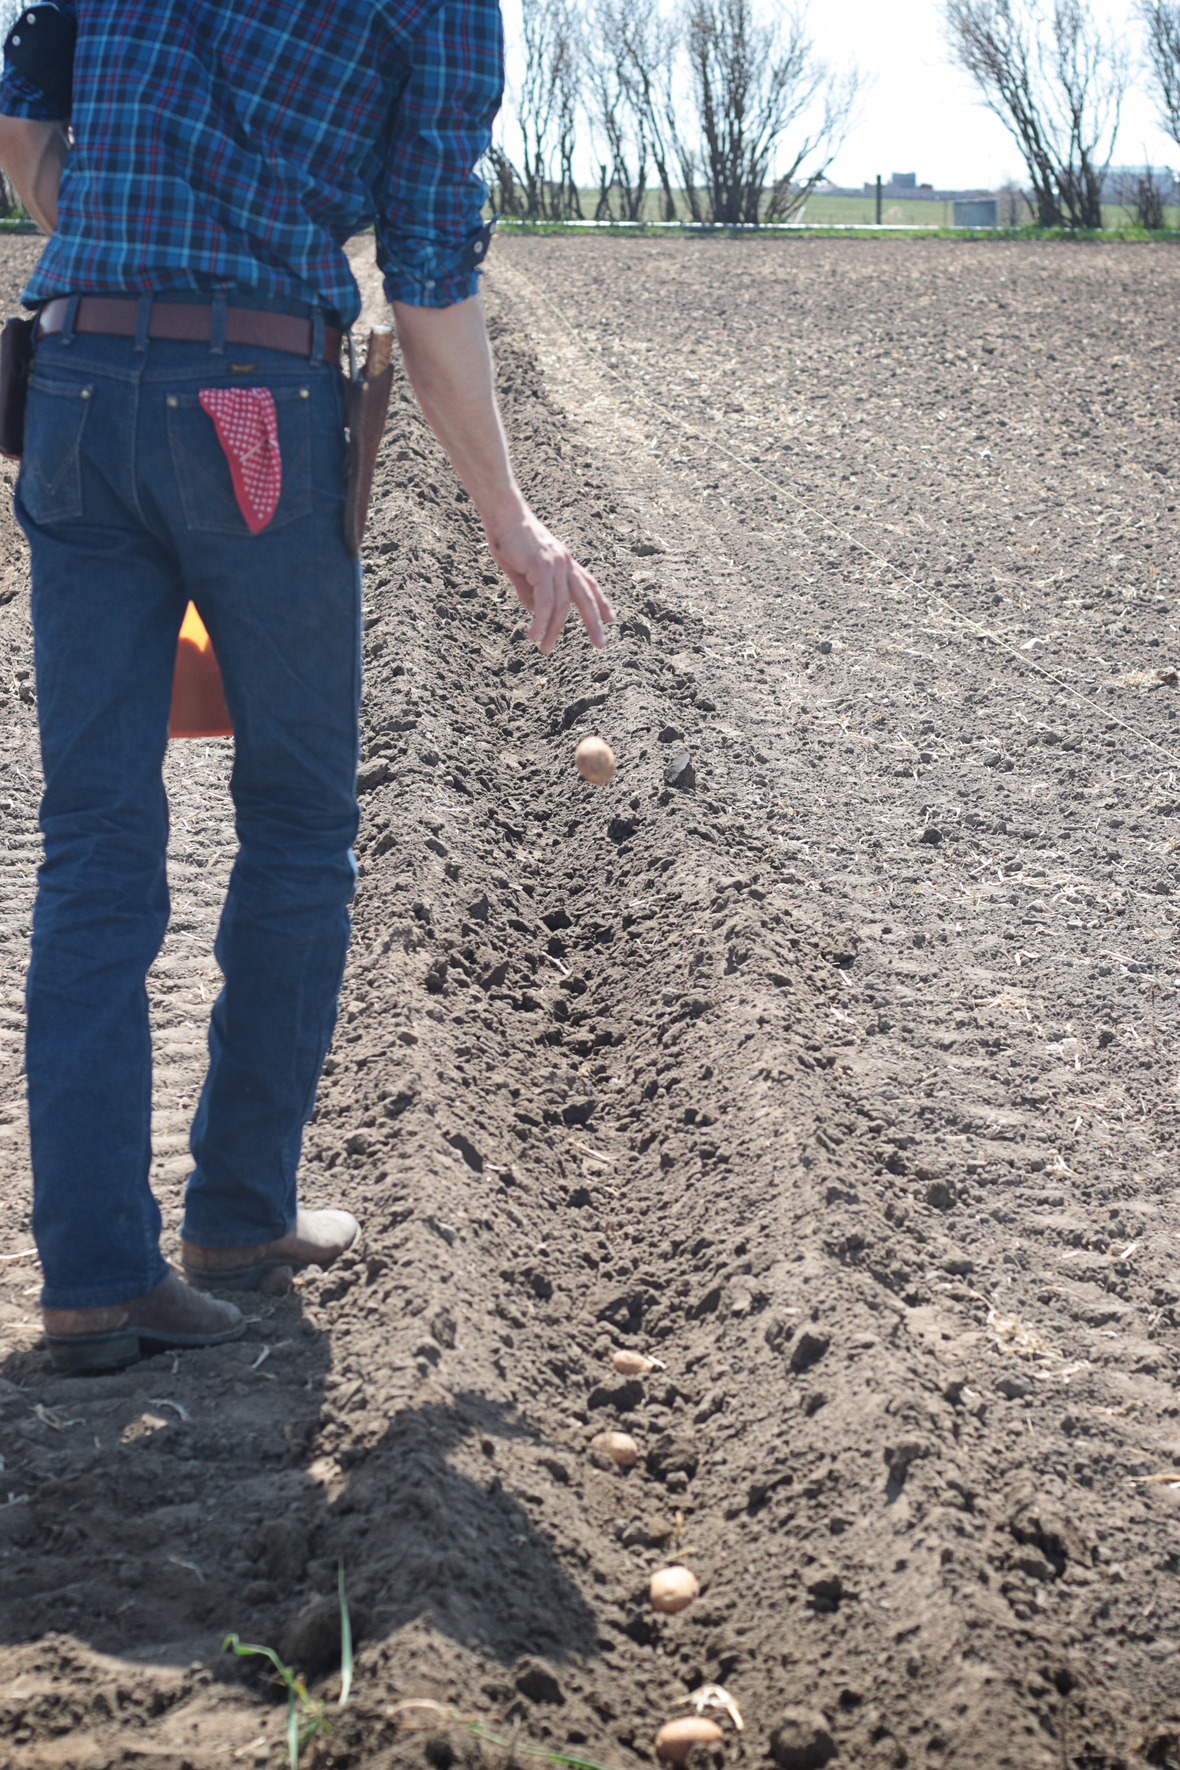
column 878, row 199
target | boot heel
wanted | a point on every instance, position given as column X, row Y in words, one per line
column 77, row 1354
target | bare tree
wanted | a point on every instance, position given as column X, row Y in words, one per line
column 752, row 79
column 503, row 180
column 1142, row 193
column 535, row 101
column 616, row 108
column 1163, row 57
column 1148, row 202
column 839, row 99
column 685, row 154
column 657, row 44
column 546, row 105
column 1014, row 205
column 1056, row 78
column 602, row 209
column 565, row 75
column 648, row 44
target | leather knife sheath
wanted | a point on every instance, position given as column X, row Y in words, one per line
column 366, row 401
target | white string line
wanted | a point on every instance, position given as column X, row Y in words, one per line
column 804, row 508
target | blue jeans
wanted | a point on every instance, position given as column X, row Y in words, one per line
column 127, row 502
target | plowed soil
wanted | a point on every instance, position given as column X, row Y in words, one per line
column 828, row 1056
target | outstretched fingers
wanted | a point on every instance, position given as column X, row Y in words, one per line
column 592, row 605
column 548, row 580
column 548, row 614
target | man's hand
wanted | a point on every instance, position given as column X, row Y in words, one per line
column 33, row 154
column 547, row 578
column 446, row 353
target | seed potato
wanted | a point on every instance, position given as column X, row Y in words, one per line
column 634, row 1364
column 676, row 1739
column 672, row 1589
column 620, row 1447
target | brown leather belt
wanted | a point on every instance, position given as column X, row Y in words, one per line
column 191, row 323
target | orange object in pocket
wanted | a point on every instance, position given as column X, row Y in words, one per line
column 198, row 699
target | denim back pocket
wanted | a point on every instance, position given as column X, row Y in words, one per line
column 203, row 477
column 50, row 481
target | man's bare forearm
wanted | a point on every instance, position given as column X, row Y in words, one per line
column 33, row 154
column 449, row 363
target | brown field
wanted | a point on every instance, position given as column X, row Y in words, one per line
column 837, row 1070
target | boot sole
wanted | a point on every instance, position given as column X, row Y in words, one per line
column 78, row 1354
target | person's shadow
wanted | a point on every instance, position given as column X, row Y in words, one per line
column 149, row 1513
column 433, row 1539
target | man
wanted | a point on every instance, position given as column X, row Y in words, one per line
column 191, row 300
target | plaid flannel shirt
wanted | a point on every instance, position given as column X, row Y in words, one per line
column 234, row 145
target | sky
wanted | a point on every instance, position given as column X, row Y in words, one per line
column 920, row 114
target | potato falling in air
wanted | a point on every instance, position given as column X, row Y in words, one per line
column 676, row 1739
column 595, row 761
column 672, row 1589
column 620, row 1447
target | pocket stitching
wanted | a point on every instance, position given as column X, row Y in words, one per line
column 46, row 506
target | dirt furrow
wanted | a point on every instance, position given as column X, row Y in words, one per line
column 737, row 1064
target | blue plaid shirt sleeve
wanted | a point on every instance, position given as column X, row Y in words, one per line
column 430, row 199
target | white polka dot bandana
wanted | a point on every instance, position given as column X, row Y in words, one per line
column 248, row 432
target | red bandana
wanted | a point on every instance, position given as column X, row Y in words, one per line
column 244, row 418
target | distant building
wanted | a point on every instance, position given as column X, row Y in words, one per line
column 905, row 184
column 976, row 212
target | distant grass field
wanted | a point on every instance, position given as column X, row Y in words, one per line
column 916, row 212
column 821, row 210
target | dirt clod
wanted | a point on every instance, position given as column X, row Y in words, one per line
column 311, row 1641
column 680, row 772
column 536, row 1681
column 807, row 1350
column 673, row 1454
column 801, row 1740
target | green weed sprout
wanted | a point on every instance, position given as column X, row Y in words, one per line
column 306, row 1715
column 345, row 1639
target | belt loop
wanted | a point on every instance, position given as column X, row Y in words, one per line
column 317, row 336
column 143, row 315
column 217, row 326
column 71, row 319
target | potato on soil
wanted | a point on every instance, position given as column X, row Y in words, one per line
column 620, row 1447
column 676, row 1739
column 635, row 1364
column 672, row 1589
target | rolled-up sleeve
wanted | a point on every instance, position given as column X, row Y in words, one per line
column 429, row 205
column 20, row 98
column 44, row 99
